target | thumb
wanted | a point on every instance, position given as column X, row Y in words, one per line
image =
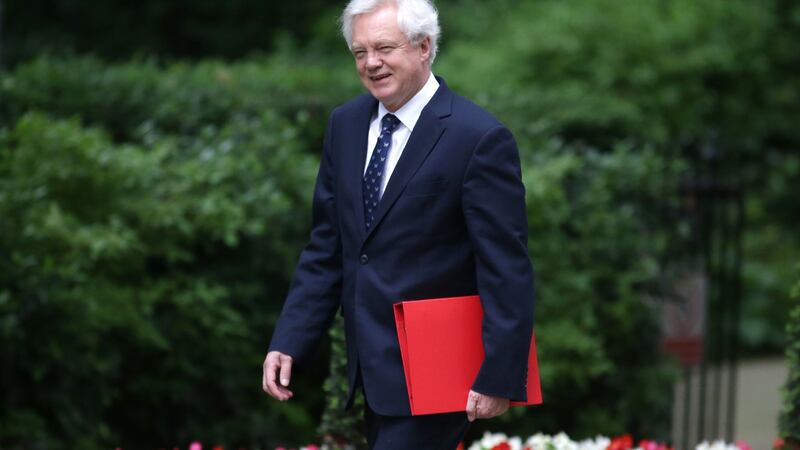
column 472, row 406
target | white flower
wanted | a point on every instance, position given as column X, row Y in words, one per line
column 544, row 442
column 515, row 443
column 716, row 445
column 537, row 441
column 598, row 443
column 561, row 441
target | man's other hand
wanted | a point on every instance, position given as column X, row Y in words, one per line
column 277, row 366
column 480, row 406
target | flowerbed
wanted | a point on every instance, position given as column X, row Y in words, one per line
column 499, row 441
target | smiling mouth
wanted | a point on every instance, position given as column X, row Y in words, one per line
column 380, row 77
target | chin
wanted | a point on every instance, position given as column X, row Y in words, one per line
column 383, row 94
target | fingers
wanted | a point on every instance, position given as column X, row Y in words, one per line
column 496, row 407
column 277, row 363
column 480, row 406
column 286, row 369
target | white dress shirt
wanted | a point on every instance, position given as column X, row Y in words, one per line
column 408, row 115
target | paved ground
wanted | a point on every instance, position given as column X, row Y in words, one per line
column 758, row 402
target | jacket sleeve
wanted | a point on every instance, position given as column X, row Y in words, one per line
column 493, row 202
column 315, row 292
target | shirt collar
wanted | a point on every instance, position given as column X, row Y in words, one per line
column 410, row 112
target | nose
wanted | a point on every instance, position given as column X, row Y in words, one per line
column 373, row 61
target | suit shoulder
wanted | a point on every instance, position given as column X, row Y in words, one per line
column 471, row 120
column 469, row 114
column 353, row 106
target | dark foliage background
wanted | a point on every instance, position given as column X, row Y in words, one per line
column 156, row 167
column 117, row 29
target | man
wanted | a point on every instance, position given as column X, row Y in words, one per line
column 419, row 195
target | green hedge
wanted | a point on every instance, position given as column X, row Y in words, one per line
column 134, row 99
column 149, row 235
column 790, row 414
column 682, row 75
column 139, row 283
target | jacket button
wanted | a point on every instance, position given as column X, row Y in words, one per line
column 364, row 259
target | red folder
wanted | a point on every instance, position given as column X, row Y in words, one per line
column 442, row 351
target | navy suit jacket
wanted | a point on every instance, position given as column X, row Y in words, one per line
column 451, row 222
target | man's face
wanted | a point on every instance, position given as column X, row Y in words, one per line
column 390, row 68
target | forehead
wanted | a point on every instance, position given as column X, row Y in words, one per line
column 376, row 26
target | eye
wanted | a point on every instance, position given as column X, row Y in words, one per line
column 359, row 53
column 386, row 49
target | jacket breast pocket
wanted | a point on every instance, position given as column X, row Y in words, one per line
column 425, row 188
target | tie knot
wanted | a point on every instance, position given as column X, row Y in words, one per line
column 390, row 122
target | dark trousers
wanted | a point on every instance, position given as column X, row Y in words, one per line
column 429, row 432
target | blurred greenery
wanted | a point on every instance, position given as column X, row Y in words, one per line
column 116, row 29
column 680, row 75
column 789, row 422
column 134, row 280
column 152, row 208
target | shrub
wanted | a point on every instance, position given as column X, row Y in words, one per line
column 790, row 414
column 137, row 283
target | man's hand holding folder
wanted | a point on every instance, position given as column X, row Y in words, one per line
column 442, row 350
column 481, row 406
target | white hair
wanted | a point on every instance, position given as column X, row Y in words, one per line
column 417, row 19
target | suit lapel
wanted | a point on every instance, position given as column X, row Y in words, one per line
column 423, row 139
column 356, row 148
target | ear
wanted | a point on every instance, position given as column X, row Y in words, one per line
column 425, row 49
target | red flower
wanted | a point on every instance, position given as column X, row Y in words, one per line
column 624, row 442
column 648, row 445
column 777, row 444
column 502, row 446
column 460, row 446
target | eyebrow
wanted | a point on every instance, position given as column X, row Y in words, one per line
column 377, row 44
